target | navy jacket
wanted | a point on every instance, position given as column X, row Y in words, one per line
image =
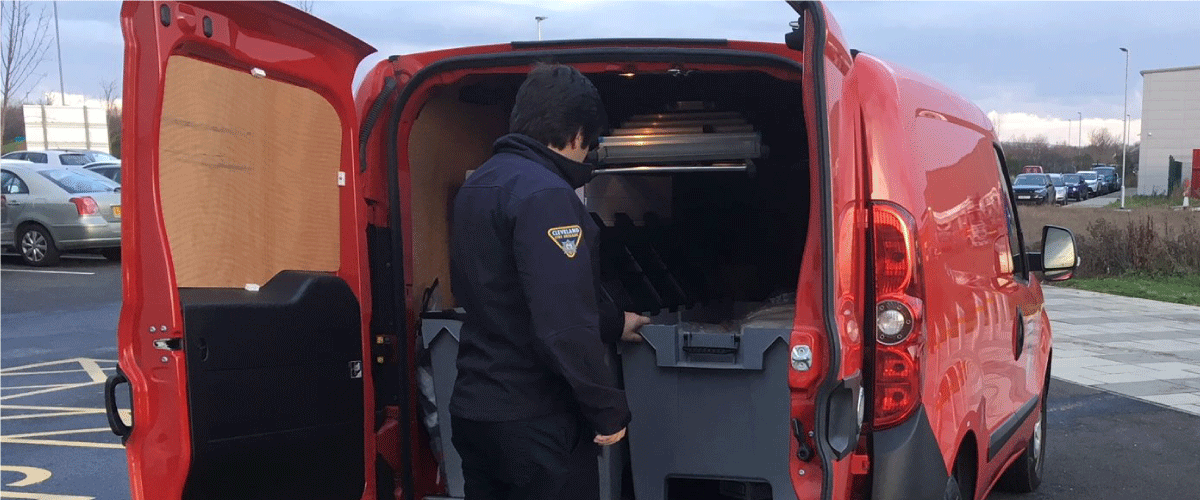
column 523, row 255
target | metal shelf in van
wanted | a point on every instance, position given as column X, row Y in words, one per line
column 677, row 169
column 678, row 148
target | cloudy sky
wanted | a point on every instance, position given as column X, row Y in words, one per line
column 1033, row 66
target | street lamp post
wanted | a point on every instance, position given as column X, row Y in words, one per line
column 1125, row 137
column 1080, row 130
column 539, row 20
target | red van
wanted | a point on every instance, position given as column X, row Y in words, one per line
column 844, row 303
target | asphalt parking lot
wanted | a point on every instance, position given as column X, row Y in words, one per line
column 58, row 345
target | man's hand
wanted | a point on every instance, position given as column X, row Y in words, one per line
column 612, row 438
column 633, row 323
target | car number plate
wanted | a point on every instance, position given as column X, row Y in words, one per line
column 117, row 211
column 1024, row 197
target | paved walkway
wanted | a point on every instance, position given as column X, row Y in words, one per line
column 1100, row 201
column 1141, row 348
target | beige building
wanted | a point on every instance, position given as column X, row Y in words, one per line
column 1170, row 124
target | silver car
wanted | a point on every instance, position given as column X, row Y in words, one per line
column 56, row 157
column 51, row 209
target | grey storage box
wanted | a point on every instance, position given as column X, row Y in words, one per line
column 440, row 334
column 710, row 401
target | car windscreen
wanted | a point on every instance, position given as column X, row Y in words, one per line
column 79, row 182
column 1088, row 176
column 73, row 159
column 1030, row 180
column 1058, row 181
column 97, row 156
column 1071, row 178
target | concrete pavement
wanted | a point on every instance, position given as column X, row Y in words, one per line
column 1140, row 348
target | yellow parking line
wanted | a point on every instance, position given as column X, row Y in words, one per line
column 52, row 389
column 33, row 475
column 41, row 496
column 93, row 369
column 56, row 433
column 54, row 411
column 52, row 372
column 33, row 386
column 52, row 363
column 53, row 442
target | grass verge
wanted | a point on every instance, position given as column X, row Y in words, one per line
column 1180, row 289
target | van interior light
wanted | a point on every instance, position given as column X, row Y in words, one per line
column 628, row 74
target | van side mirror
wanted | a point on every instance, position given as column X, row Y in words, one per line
column 1058, row 254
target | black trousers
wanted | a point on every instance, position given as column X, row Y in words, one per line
column 550, row 457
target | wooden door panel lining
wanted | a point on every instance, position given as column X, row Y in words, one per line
column 247, row 176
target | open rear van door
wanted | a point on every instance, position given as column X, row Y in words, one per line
column 245, row 278
column 833, row 120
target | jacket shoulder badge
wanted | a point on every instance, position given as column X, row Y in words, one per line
column 567, row 238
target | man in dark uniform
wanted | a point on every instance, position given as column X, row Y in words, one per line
column 532, row 374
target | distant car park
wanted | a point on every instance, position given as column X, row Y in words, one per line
column 51, row 209
column 1077, row 188
column 1093, row 180
column 65, row 157
column 1033, row 188
column 109, row 169
column 1060, row 188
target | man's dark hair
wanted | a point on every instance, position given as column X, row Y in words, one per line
column 555, row 103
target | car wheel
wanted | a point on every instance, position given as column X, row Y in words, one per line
column 113, row 254
column 37, row 247
column 1025, row 475
column 961, row 484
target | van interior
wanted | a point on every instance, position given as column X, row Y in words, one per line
column 702, row 195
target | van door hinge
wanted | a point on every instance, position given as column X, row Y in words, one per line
column 168, row 344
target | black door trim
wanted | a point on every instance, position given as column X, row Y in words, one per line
column 1005, row 432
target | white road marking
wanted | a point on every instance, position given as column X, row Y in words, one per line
column 41, row 496
column 33, row 475
column 52, row 363
column 55, row 372
column 44, row 272
column 52, row 389
column 53, row 411
column 25, row 439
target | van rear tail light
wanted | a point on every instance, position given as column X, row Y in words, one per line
column 85, row 205
column 899, row 300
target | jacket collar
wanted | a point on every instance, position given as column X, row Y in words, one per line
column 575, row 173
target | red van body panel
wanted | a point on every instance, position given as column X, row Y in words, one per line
column 972, row 381
column 877, row 133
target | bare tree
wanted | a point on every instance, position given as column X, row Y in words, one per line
column 1102, row 139
column 26, row 40
column 110, row 90
column 306, row 6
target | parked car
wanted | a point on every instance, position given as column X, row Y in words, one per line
column 1077, row 188
column 1035, row 189
column 853, row 314
column 111, row 170
column 1032, row 169
column 52, row 209
column 1094, row 184
column 1060, row 188
column 56, row 157
column 1111, row 176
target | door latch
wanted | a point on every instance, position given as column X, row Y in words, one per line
column 803, row 451
column 168, row 344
